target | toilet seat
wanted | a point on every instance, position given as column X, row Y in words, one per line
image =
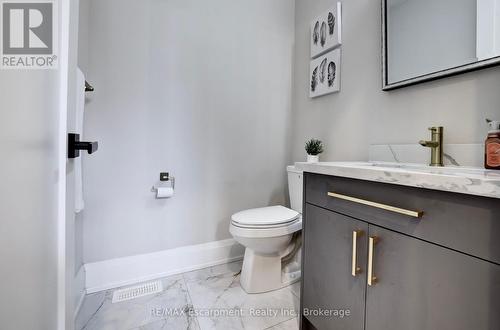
column 257, row 223
column 265, row 217
column 271, row 221
column 277, row 231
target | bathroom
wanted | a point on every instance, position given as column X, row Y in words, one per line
column 189, row 202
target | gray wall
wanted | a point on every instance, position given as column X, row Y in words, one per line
column 361, row 114
column 201, row 89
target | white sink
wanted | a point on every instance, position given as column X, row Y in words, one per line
column 466, row 180
column 420, row 168
column 445, row 170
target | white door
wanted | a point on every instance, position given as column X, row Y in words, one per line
column 32, row 192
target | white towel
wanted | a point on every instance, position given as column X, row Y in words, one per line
column 80, row 105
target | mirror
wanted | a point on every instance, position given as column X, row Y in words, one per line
column 430, row 39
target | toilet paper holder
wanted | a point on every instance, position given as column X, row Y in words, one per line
column 165, row 181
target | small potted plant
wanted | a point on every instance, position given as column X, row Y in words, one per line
column 313, row 148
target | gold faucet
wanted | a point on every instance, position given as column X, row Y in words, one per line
column 436, row 145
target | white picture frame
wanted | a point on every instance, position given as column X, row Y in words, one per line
column 326, row 31
column 324, row 74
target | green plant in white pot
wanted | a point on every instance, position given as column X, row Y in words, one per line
column 314, row 147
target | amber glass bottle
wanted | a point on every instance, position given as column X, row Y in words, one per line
column 492, row 147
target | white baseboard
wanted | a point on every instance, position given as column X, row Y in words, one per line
column 118, row 272
column 79, row 290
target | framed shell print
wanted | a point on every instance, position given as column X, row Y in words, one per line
column 326, row 31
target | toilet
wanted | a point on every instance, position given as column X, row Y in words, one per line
column 272, row 240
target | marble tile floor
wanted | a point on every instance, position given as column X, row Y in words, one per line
column 210, row 298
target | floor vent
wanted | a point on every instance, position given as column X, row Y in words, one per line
column 137, row 291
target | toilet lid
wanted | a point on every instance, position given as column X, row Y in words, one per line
column 265, row 216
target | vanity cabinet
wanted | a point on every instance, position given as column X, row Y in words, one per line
column 394, row 271
column 328, row 282
column 425, row 286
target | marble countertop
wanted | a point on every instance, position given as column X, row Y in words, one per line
column 463, row 180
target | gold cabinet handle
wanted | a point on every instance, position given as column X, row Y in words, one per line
column 415, row 214
column 355, row 269
column 371, row 250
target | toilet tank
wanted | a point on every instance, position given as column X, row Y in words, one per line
column 295, row 188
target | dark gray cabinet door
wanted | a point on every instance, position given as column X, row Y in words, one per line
column 424, row 286
column 328, row 283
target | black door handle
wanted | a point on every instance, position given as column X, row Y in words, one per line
column 75, row 145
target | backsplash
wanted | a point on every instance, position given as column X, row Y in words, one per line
column 471, row 155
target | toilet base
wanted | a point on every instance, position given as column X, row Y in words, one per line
column 263, row 273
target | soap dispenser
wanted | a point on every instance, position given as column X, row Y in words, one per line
column 492, row 146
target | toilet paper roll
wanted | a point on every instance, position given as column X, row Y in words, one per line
column 164, row 192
